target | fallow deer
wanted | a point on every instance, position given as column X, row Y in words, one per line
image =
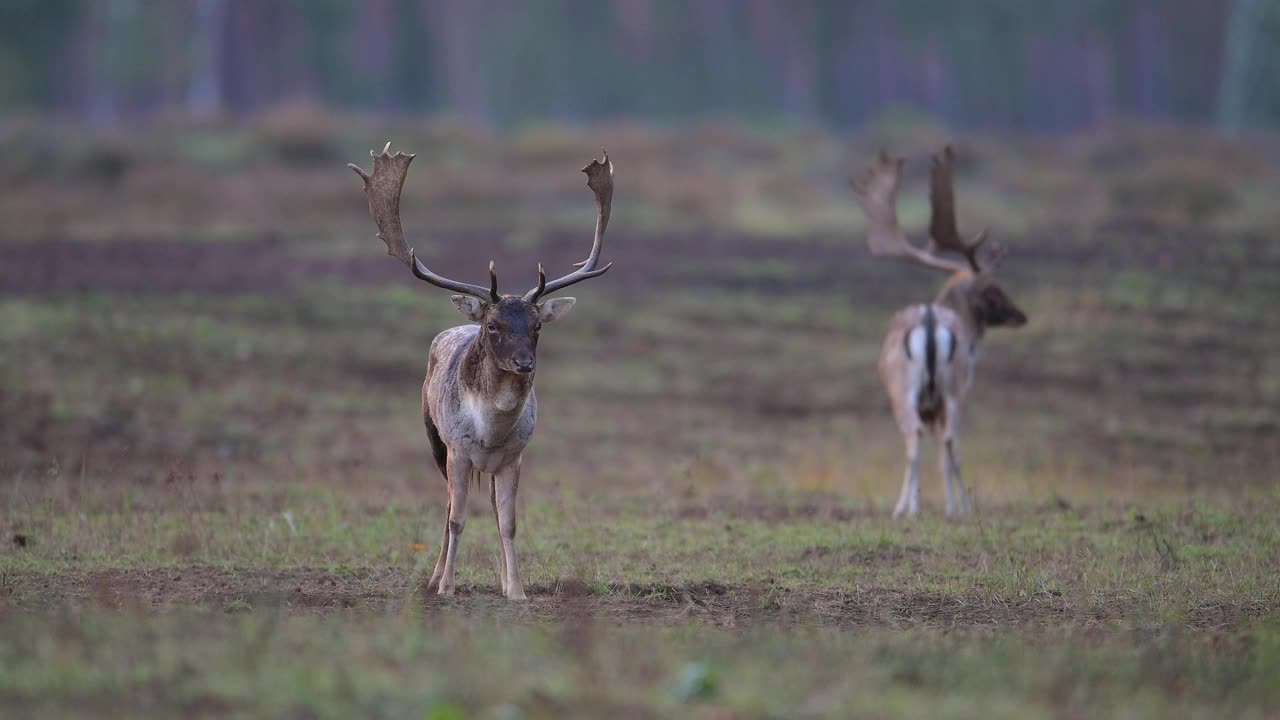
column 478, row 401
column 929, row 354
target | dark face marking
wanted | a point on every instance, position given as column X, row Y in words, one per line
column 995, row 309
column 509, row 332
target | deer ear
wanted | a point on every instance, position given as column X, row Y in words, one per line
column 471, row 307
column 555, row 308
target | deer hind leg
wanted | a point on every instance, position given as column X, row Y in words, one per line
column 957, row 499
column 506, row 483
column 909, row 498
column 949, row 462
column 460, row 471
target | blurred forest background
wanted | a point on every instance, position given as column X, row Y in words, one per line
column 1002, row 64
column 167, row 161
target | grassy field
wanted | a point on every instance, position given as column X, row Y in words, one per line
column 217, row 499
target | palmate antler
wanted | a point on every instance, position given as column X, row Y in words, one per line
column 600, row 180
column 942, row 205
column 877, row 191
column 383, row 187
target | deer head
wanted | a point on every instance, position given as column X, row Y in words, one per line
column 971, row 290
column 509, row 326
column 509, row 323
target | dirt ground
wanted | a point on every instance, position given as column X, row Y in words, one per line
column 394, row 591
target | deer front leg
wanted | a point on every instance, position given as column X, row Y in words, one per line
column 434, row 583
column 506, row 483
column 502, row 556
column 909, row 498
column 460, row 470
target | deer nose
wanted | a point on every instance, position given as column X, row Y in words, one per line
column 524, row 367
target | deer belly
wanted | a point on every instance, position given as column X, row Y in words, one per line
column 491, row 461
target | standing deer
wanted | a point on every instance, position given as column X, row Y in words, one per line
column 928, row 356
column 478, row 401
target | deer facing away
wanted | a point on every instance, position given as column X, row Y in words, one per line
column 929, row 354
column 478, row 401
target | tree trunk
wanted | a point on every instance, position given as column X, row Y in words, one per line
column 204, row 90
column 1243, row 27
column 1098, row 82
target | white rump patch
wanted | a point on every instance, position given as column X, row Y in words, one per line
column 943, row 345
column 945, row 342
column 916, row 343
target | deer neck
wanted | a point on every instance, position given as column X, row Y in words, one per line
column 496, row 394
column 956, row 296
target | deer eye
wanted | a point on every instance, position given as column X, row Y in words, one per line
column 537, row 327
column 492, row 327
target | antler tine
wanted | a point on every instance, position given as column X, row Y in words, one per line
column 996, row 253
column 383, row 186
column 942, row 219
column 877, row 191
column 600, row 180
column 493, row 283
column 542, row 283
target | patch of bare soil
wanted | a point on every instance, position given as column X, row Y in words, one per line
column 260, row 264
column 67, row 266
column 395, row 590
